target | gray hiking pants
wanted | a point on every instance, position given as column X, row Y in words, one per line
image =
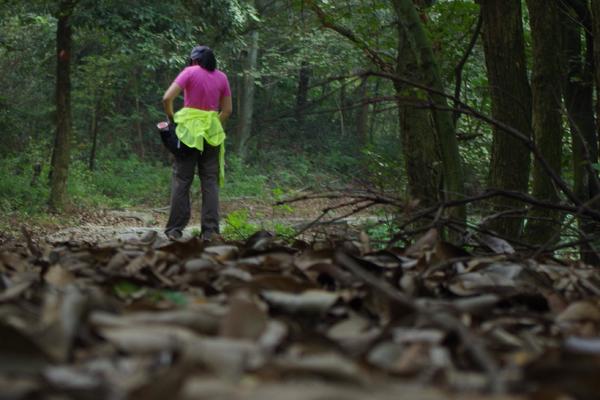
column 183, row 176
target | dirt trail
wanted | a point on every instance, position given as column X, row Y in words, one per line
column 134, row 224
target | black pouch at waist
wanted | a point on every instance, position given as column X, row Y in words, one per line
column 171, row 141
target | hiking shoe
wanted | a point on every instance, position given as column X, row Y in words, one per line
column 211, row 237
column 174, row 235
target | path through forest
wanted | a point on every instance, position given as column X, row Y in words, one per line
column 94, row 227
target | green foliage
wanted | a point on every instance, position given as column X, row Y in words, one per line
column 129, row 291
column 120, row 183
column 383, row 164
column 380, row 234
column 16, row 191
column 242, row 180
column 237, row 226
column 283, row 230
column 196, row 232
column 116, row 183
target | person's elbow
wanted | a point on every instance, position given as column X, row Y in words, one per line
column 226, row 108
column 226, row 112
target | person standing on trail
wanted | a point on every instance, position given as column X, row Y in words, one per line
column 199, row 125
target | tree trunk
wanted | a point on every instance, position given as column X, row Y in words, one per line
column 453, row 181
column 578, row 97
column 94, row 136
column 302, row 94
column 544, row 225
column 595, row 8
column 362, row 117
column 511, row 104
column 60, row 158
column 419, row 145
column 373, row 124
column 341, row 104
column 421, row 158
column 246, row 109
column 138, row 123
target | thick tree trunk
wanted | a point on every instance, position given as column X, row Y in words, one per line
column 544, row 225
column 421, row 158
column 419, row 145
column 60, row 157
column 511, row 104
column 246, row 95
column 578, row 97
column 453, row 179
column 595, row 8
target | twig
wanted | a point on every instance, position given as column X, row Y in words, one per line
column 447, row 321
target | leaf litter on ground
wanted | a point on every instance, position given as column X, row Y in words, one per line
column 265, row 319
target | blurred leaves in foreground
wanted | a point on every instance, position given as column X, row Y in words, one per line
column 147, row 318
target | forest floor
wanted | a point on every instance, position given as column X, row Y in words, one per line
column 96, row 225
column 102, row 306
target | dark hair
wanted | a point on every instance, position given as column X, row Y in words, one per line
column 204, row 57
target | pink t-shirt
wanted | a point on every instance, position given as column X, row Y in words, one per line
column 203, row 89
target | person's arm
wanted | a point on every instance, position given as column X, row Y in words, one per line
column 170, row 95
column 226, row 108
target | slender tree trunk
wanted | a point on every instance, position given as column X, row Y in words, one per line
column 342, row 103
column 138, row 127
column 94, row 136
column 373, row 124
column 362, row 117
column 511, row 104
column 452, row 166
column 544, row 225
column 578, row 97
column 246, row 110
column 302, row 94
column 60, row 157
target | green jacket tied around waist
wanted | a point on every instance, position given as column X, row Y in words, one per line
column 194, row 126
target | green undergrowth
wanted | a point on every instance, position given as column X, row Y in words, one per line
column 238, row 226
column 115, row 183
column 121, row 180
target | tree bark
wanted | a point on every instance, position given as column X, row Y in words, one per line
column 578, row 97
column 341, row 104
column 138, row 128
column 417, row 133
column 420, row 149
column 374, row 112
column 595, row 8
column 302, row 94
column 94, row 136
column 362, row 117
column 511, row 104
column 544, row 225
column 453, row 179
column 60, row 157
column 422, row 159
column 246, row 109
